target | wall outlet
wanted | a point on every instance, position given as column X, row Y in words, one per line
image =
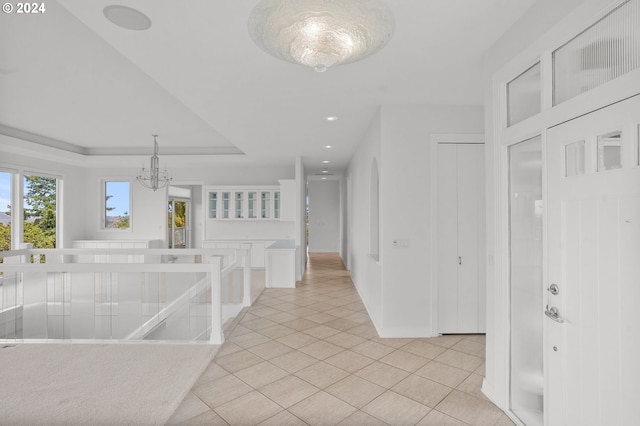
column 400, row 243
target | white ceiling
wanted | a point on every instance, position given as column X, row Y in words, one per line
column 196, row 79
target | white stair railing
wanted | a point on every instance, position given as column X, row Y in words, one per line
column 59, row 274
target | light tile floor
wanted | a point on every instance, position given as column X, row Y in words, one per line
column 311, row 355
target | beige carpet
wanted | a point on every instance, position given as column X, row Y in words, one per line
column 96, row 384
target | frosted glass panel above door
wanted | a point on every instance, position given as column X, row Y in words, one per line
column 604, row 51
column 524, row 95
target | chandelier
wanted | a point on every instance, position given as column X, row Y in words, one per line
column 321, row 33
column 154, row 178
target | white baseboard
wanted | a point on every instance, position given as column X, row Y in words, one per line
column 394, row 332
column 401, row 332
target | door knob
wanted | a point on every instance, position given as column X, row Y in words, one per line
column 553, row 314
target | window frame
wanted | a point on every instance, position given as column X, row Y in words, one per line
column 17, row 192
column 103, row 205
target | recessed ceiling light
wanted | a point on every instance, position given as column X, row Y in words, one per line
column 127, row 17
column 328, row 146
column 331, row 118
column 323, row 177
column 325, row 171
column 326, row 162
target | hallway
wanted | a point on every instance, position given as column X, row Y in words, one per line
column 311, row 355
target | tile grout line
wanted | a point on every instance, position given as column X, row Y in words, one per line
column 340, row 290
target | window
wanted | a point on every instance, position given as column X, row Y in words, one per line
column 523, row 95
column 610, row 151
column 117, row 205
column 608, row 49
column 35, row 219
column 5, row 210
column 574, row 159
column 39, row 204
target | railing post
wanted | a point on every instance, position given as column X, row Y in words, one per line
column 246, row 294
column 217, row 337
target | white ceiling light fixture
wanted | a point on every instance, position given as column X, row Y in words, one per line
column 154, row 178
column 321, row 33
column 127, row 17
column 331, row 118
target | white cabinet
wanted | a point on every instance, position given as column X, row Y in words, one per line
column 243, row 203
column 280, row 268
column 252, row 202
column 257, row 248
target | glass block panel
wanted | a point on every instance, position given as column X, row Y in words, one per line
column 574, row 159
column 523, row 95
column 610, row 151
column 601, row 53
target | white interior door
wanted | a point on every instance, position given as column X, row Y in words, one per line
column 592, row 372
column 461, row 294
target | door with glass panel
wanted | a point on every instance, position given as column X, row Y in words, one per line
column 592, row 306
column 525, row 247
column 178, row 223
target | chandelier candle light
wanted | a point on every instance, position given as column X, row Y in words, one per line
column 153, row 178
column 321, row 33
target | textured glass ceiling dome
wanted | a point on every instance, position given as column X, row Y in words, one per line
column 321, row 33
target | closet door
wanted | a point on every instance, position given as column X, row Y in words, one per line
column 461, row 296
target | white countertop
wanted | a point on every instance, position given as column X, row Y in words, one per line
column 283, row 245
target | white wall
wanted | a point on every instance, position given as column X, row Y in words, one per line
column 148, row 208
column 300, row 224
column 197, row 216
column 344, row 220
column 324, row 216
column 406, row 180
column 233, row 173
column 366, row 273
column 148, row 212
column 82, row 191
column 397, row 289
